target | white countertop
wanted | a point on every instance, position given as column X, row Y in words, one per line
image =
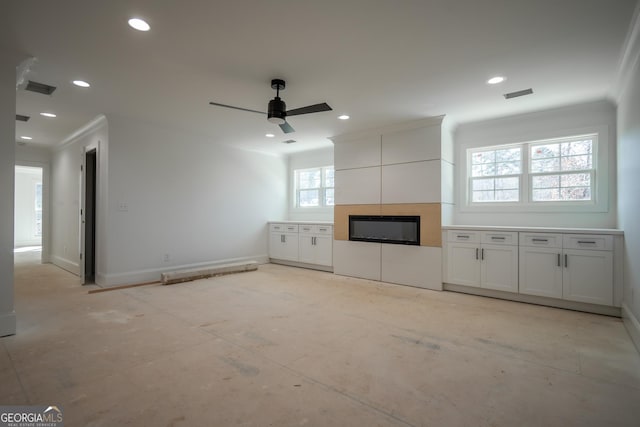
column 302, row 222
column 614, row 231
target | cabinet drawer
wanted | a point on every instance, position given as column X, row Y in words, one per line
column 499, row 237
column 541, row 240
column 463, row 236
column 324, row 229
column 289, row 228
column 307, row 229
column 595, row 242
column 315, row 229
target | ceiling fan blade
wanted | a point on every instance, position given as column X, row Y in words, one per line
column 316, row 108
column 237, row 108
column 286, row 128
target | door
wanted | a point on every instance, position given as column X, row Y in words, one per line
column 541, row 272
column 588, row 276
column 324, row 250
column 499, row 267
column 463, row 264
column 88, row 215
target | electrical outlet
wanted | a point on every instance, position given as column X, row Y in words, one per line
column 167, row 258
column 123, row 206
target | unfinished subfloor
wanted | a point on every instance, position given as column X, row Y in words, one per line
column 285, row 346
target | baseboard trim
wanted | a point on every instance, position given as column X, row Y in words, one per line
column 632, row 324
column 65, row 264
column 154, row 274
column 8, row 324
column 326, row 268
column 532, row 299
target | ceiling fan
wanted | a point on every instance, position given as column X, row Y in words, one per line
column 277, row 110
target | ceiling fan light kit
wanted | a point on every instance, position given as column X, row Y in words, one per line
column 277, row 109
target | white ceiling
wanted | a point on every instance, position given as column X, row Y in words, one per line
column 380, row 61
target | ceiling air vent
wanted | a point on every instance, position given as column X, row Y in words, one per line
column 22, row 118
column 518, row 93
column 289, row 141
column 40, row 88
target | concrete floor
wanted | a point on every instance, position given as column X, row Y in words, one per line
column 291, row 347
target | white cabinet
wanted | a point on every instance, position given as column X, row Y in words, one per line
column 283, row 242
column 541, row 264
column 316, row 244
column 484, row 259
column 572, row 266
column 301, row 243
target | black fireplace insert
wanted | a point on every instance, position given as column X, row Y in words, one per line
column 401, row 230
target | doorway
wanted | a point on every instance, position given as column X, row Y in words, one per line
column 28, row 211
column 88, row 254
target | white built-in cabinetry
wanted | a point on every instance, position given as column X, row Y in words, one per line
column 283, row 242
column 484, row 259
column 305, row 243
column 571, row 266
column 573, row 269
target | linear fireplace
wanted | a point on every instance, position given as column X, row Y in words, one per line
column 402, row 230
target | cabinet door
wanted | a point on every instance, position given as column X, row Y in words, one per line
column 499, row 267
column 307, row 250
column 588, row 276
column 541, row 271
column 463, row 264
column 275, row 245
column 324, row 250
column 290, row 247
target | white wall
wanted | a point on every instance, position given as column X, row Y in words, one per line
column 8, row 62
column 186, row 197
column 588, row 117
column 304, row 160
column 25, row 234
column 629, row 189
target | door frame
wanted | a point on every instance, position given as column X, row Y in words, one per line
column 83, row 205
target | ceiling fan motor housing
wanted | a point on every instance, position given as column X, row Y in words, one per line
column 276, row 111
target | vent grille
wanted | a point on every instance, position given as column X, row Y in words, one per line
column 42, row 88
column 22, row 118
column 289, row 141
column 518, row 93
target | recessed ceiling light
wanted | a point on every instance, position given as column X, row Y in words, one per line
column 48, row 115
column 81, row 83
column 269, row 135
column 139, row 24
column 343, row 117
column 495, row 80
column 28, row 138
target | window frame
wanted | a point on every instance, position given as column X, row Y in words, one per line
column 322, row 189
column 600, row 174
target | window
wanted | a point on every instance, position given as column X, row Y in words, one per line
column 314, row 187
column 495, row 175
column 562, row 171
column 533, row 173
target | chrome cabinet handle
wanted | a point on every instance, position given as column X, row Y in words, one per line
column 482, row 254
column 462, row 236
column 540, row 240
column 566, row 261
column 558, row 260
column 586, row 242
column 476, row 253
column 497, row 238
